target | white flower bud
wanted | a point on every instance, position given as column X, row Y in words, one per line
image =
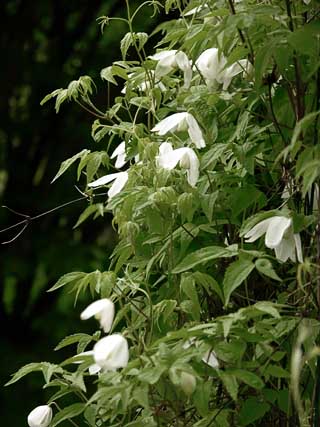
column 103, row 311
column 111, row 352
column 188, row 383
column 41, row 416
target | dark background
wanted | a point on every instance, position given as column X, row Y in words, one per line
column 44, row 45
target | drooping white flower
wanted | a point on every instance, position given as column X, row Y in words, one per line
column 169, row 158
column 306, row 1
column 111, row 352
column 279, row 236
column 210, row 359
column 242, row 66
column 168, row 60
column 103, row 311
column 188, row 382
column 181, row 122
column 119, row 178
column 120, row 154
column 212, row 66
column 40, row 416
column 94, row 368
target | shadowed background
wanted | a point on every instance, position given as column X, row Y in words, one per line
column 44, row 45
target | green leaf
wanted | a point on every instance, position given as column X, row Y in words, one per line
column 67, row 278
column 188, row 287
column 252, row 410
column 277, row 371
column 67, row 163
column 248, row 377
column 67, row 413
column 235, row 275
column 72, row 339
column 203, row 255
column 125, row 43
column 263, row 61
column 90, row 210
column 230, row 383
column 61, row 97
column 46, row 368
column 152, row 374
column 268, row 307
column 50, row 96
column 107, row 74
column 264, row 266
column 209, row 283
column 300, row 128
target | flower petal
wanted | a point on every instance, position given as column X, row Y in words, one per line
column 286, row 250
column 195, row 132
column 257, row 231
column 170, row 159
column 111, row 352
column 120, row 153
column 104, row 179
column 210, row 359
column 297, row 240
column 169, row 124
column 40, row 416
column 278, row 225
column 118, row 184
column 95, row 308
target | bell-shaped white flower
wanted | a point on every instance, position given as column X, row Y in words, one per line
column 188, row 383
column 212, row 66
column 119, row 178
column 120, row 154
column 181, row 122
column 103, row 311
column 279, row 236
column 242, row 66
column 168, row 60
column 41, row 416
column 111, row 352
column 169, row 158
column 210, row 359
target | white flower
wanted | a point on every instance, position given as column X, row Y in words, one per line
column 119, row 178
column 279, row 236
column 188, row 383
column 212, row 66
column 168, row 60
column 120, row 154
column 181, row 122
column 94, row 368
column 111, row 352
column 186, row 157
column 41, row 416
column 102, row 310
column 306, row 1
column 210, row 359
